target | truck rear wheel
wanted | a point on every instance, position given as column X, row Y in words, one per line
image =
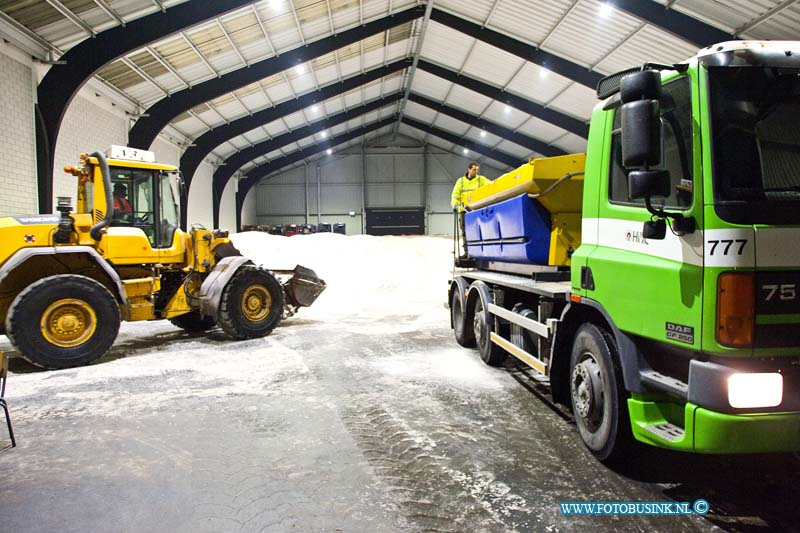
column 251, row 304
column 63, row 321
column 462, row 326
column 491, row 354
column 193, row 321
column 598, row 398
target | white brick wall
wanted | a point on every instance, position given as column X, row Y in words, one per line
column 18, row 190
column 86, row 127
column 227, row 209
column 200, row 198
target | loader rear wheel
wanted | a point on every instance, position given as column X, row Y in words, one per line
column 251, row 304
column 63, row 321
column 193, row 321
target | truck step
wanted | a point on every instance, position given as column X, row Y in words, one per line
column 660, row 382
column 667, row 431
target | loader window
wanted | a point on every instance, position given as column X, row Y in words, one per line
column 133, row 200
column 169, row 218
column 676, row 156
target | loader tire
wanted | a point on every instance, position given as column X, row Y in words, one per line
column 193, row 321
column 63, row 321
column 251, row 304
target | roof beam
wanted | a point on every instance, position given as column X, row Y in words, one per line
column 410, row 80
column 551, row 62
column 231, row 165
column 72, row 17
column 765, row 17
column 258, row 173
column 63, row 81
column 497, row 155
column 571, row 124
column 161, row 113
column 204, row 144
column 110, row 12
column 686, row 27
column 505, row 133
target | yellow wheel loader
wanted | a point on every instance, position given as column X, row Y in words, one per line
column 67, row 280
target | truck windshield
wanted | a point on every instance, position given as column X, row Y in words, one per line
column 755, row 113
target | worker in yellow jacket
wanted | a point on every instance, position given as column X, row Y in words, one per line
column 469, row 182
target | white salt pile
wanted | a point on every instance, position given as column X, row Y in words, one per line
column 366, row 275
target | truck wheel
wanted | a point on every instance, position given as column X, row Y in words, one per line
column 492, row 354
column 462, row 327
column 251, row 304
column 598, row 398
column 63, row 321
column 193, row 321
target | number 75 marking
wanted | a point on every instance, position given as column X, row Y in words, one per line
column 728, row 244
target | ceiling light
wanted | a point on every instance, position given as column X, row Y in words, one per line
column 606, row 9
column 507, row 109
column 543, row 73
column 324, row 134
column 300, row 69
column 314, row 108
column 483, row 133
column 329, row 151
column 466, row 152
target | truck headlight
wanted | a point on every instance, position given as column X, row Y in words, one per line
column 755, row 390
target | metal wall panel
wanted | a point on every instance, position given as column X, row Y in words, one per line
column 395, row 177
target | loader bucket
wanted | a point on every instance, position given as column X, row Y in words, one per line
column 303, row 287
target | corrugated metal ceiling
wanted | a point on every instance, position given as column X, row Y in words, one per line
column 586, row 32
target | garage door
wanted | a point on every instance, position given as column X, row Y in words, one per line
column 396, row 221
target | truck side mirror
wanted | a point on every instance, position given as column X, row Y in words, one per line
column 641, row 134
column 644, row 183
column 641, row 123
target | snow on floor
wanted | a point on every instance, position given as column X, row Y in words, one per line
column 376, row 286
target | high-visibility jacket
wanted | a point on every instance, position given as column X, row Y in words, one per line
column 122, row 205
column 465, row 184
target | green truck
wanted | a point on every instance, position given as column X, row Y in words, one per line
column 673, row 317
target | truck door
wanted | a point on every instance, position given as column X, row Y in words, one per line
column 653, row 288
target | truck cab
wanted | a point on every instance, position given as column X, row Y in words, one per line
column 680, row 323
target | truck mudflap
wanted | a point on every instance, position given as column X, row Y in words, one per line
column 301, row 287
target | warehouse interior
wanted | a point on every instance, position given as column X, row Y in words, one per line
column 359, row 413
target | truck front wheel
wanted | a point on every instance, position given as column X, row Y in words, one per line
column 598, row 398
column 251, row 304
column 63, row 321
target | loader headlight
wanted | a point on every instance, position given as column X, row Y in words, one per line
column 755, row 390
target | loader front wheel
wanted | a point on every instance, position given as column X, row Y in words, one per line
column 193, row 322
column 63, row 321
column 251, row 304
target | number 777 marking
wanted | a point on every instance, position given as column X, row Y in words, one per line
column 727, row 243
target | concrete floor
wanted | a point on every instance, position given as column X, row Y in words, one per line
column 340, row 425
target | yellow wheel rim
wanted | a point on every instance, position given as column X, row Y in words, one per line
column 256, row 303
column 69, row 322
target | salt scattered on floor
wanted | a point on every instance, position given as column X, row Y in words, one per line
column 368, row 279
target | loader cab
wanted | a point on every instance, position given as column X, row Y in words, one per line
column 146, row 199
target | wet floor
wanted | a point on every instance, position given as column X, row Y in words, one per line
column 353, row 424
